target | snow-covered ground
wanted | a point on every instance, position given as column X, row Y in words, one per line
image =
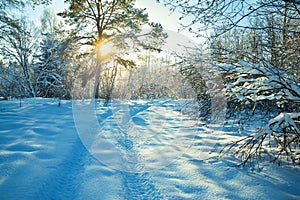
column 155, row 152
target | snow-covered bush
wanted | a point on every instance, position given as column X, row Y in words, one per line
column 252, row 83
column 255, row 87
column 284, row 130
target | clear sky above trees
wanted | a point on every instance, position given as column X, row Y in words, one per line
column 157, row 13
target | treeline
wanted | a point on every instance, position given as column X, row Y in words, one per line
column 51, row 60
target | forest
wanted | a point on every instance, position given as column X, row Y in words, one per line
column 247, row 64
column 101, row 100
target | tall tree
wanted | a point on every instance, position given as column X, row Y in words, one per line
column 17, row 47
column 53, row 66
column 50, row 22
column 97, row 21
column 17, row 40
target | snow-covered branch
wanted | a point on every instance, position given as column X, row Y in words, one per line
column 260, row 82
column 250, row 84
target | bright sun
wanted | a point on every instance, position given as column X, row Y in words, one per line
column 106, row 49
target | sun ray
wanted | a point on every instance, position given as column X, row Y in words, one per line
column 106, row 49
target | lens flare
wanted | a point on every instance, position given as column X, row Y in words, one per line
column 106, row 49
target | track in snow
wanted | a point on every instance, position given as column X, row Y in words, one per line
column 42, row 157
column 137, row 183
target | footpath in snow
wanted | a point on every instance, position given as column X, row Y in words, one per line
column 155, row 152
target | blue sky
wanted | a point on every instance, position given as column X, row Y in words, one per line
column 157, row 13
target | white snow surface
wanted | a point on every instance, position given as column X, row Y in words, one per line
column 43, row 157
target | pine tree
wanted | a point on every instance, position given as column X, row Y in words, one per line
column 99, row 21
column 53, row 63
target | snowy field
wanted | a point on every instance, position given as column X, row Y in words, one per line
column 138, row 150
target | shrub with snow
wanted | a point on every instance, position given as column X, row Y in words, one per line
column 256, row 87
